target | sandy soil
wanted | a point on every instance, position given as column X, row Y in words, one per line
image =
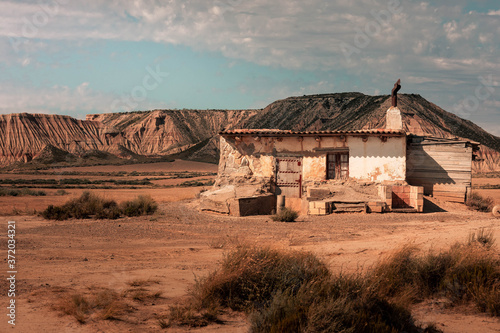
column 173, row 247
column 179, row 243
column 495, row 194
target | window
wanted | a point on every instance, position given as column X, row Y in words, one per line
column 337, row 166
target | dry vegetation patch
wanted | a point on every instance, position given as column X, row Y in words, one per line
column 284, row 291
column 468, row 272
column 285, row 215
column 91, row 205
column 479, row 203
column 100, row 305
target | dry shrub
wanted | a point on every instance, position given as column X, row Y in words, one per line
column 408, row 276
column 285, row 215
column 475, row 274
column 334, row 304
column 479, row 203
column 249, row 276
column 142, row 295
column 468, row 272
column 91, row 205
column 4, row 192
column 142, row 205
column 86, row 206
column 483, row 237
column 77, row 306
column 294, row 292
column 191, row 316
column 105, row 304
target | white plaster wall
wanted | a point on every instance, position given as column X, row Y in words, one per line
column 376, row 160
column 373, row 160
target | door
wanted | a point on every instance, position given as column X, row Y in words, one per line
column 289, row 176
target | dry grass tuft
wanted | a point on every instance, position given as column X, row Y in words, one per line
column 285, row 215
column 468, row 272
column 288, row 291
column 191, row 316
column 479, row 203
column 483, row 237
column 142, row 205
column 294, row 292
column 249, row 276
column 105, row 304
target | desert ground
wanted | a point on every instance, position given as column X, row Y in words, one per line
column 153, row 261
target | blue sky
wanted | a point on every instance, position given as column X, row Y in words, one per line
column 76, row 57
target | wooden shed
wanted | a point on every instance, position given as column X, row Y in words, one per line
column 442, row 166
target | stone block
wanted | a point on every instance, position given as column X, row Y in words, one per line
column 420, row 209
column 375, row 209
column 416, row 196
column 397, row 189
column 317, row 211
column 318, row 193
column 257, row 205
column 322, row 206
column 214, row 205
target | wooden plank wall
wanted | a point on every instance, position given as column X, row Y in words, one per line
column 443, row 169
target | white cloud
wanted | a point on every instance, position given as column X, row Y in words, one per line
column 63, row 100
column 292, row 34
column 431, row 45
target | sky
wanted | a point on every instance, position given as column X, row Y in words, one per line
column 80, row 57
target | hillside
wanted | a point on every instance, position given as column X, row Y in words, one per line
column 348, row 111
column 192, row 134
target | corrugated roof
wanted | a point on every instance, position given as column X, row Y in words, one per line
column 272, row 132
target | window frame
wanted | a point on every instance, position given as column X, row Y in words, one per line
column 341, row 168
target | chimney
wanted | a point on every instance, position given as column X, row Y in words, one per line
column 393, row 120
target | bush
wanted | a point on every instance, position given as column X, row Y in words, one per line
column 55, row 213
column 285, row 215
column 467, row 272
column 335, row 304
column 21, row 192
column 479, row 203
column 105, row 304
column 142, row 205
column 90, row 205
column 483, row 237
column 294, row 292
column 61, row 192
column 249, row 277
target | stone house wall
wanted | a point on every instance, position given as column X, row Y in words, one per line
column 252, row 159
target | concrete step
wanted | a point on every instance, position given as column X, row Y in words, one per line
column 349, row 207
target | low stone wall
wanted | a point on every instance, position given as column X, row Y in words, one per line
column 403, row 196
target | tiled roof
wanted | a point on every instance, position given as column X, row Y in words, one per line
column 273, row 132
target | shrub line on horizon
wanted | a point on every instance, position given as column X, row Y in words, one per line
column 91, row 205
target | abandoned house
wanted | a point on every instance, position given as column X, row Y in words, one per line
column 322, row 172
